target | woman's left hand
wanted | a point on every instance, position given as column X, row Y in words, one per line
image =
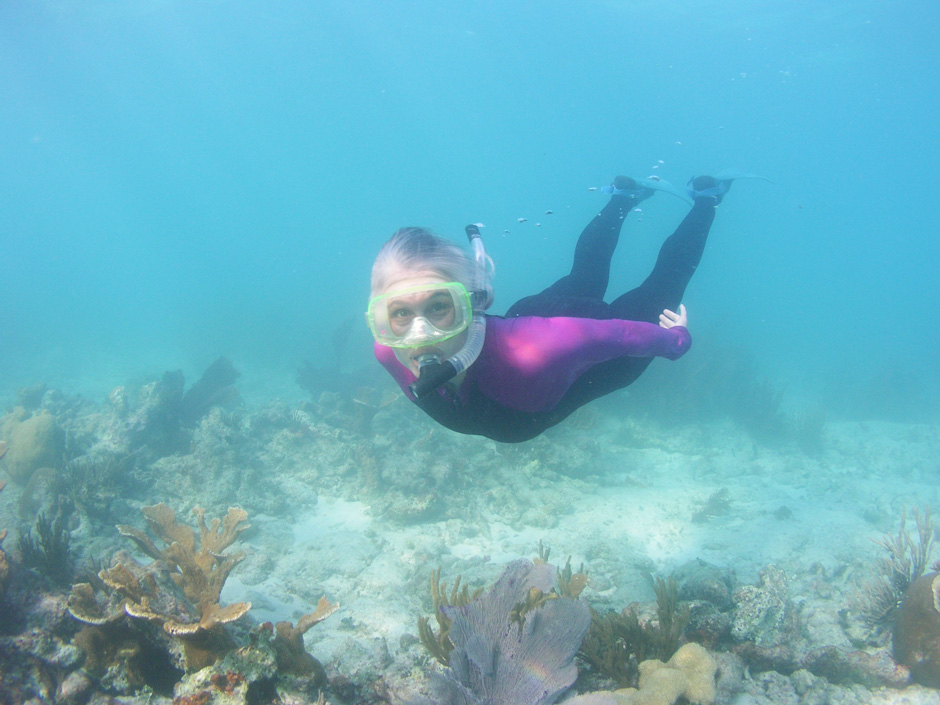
column 670, row 319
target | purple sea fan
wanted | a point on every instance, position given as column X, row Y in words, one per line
column 496, row 661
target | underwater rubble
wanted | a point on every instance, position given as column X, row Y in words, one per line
column 136, row 576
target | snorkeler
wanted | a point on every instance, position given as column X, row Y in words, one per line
column 511, row 377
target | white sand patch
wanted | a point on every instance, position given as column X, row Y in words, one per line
column 331, row 516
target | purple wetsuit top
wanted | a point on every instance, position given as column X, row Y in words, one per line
column 529, row 364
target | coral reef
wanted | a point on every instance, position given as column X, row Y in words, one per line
column 246, row 675
column 42, row 494
column 124, row 649
column 349, row 513
column 533, row 665
column 201, row 574
column 33, row 441
column 708, row 590
column 136, row 636
column 838, row 665
column 148, row 626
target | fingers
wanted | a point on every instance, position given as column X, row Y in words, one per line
column 668, row 319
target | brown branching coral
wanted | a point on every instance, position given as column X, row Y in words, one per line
column 544, row 553
column 570, row 584
column 199, row 571
column 288, row 644
column 178, row 593
column 84, row 605
column 116, row 646
column 118, row 651
column 533, row 599
column 201, row 574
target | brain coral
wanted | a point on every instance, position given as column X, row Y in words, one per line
column 34, row 442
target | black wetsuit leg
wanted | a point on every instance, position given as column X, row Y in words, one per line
column 678, row 259
column 581, row 292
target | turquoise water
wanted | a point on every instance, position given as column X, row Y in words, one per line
column 181, row 180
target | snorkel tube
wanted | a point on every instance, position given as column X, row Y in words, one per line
column 432, row 372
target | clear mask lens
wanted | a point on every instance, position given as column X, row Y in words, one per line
column 422, row 315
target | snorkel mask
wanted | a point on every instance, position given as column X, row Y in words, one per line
column 419, row 316
column 428, row 314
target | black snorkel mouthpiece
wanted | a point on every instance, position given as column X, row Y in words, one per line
column 432, row 373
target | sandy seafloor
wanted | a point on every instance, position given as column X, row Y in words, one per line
column 363, row 512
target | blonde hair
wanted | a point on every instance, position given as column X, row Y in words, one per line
column 418, row 249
